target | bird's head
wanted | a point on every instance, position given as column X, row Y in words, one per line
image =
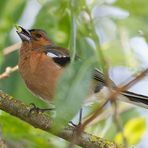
column 37, row 37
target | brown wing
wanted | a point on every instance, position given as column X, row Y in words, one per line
column 59, row 55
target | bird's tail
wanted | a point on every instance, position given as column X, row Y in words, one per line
column 136, row 99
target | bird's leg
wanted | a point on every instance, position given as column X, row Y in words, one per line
column 76, row 130
column 80, row 117
column 37, row 109
column 80, row 120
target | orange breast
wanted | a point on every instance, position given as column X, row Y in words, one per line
column 40, row 73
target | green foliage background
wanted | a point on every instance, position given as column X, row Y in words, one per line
column 68, row 24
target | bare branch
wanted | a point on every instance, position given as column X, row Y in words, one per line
column 11, row 48
column 118, row 123
column 129, row 84
column 113, row 97
column 8, row 71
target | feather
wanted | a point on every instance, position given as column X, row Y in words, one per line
column 125, row 96
column 58, row 54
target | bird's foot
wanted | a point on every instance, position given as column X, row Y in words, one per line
column 77, row 127
column 34, row 108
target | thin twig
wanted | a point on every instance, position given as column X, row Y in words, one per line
column 129, row 84
column 118, row 123
column 95, row 114
column 107, row 113
column 113, row 96
column 11, row 48
column 8, row 71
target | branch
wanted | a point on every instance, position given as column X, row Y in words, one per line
column 44, row 121
column 113, row 97
column 8, row 71
column 11, row 48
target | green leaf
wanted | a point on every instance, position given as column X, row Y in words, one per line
column 54, row 19
column 133, row 131
column 18, row 133
column 9, row 15
column 72, row 89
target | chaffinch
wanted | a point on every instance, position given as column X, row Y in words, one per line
column 41, row 63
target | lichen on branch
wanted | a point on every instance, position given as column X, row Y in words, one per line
column 44, row 121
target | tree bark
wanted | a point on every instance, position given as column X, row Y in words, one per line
column 44, row 121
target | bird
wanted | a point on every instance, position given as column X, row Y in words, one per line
column 41, row 63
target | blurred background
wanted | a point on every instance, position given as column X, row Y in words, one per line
column 119, row 29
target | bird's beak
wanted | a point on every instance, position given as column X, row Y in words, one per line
column 24, row 34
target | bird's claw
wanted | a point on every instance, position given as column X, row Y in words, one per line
column 37, row 109
column 77, row 127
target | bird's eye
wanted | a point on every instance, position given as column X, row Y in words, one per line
column 38, row 35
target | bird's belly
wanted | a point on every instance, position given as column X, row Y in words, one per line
column 41, row 79
column 41, row 89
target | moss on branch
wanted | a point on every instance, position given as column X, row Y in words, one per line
column 44, row 121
